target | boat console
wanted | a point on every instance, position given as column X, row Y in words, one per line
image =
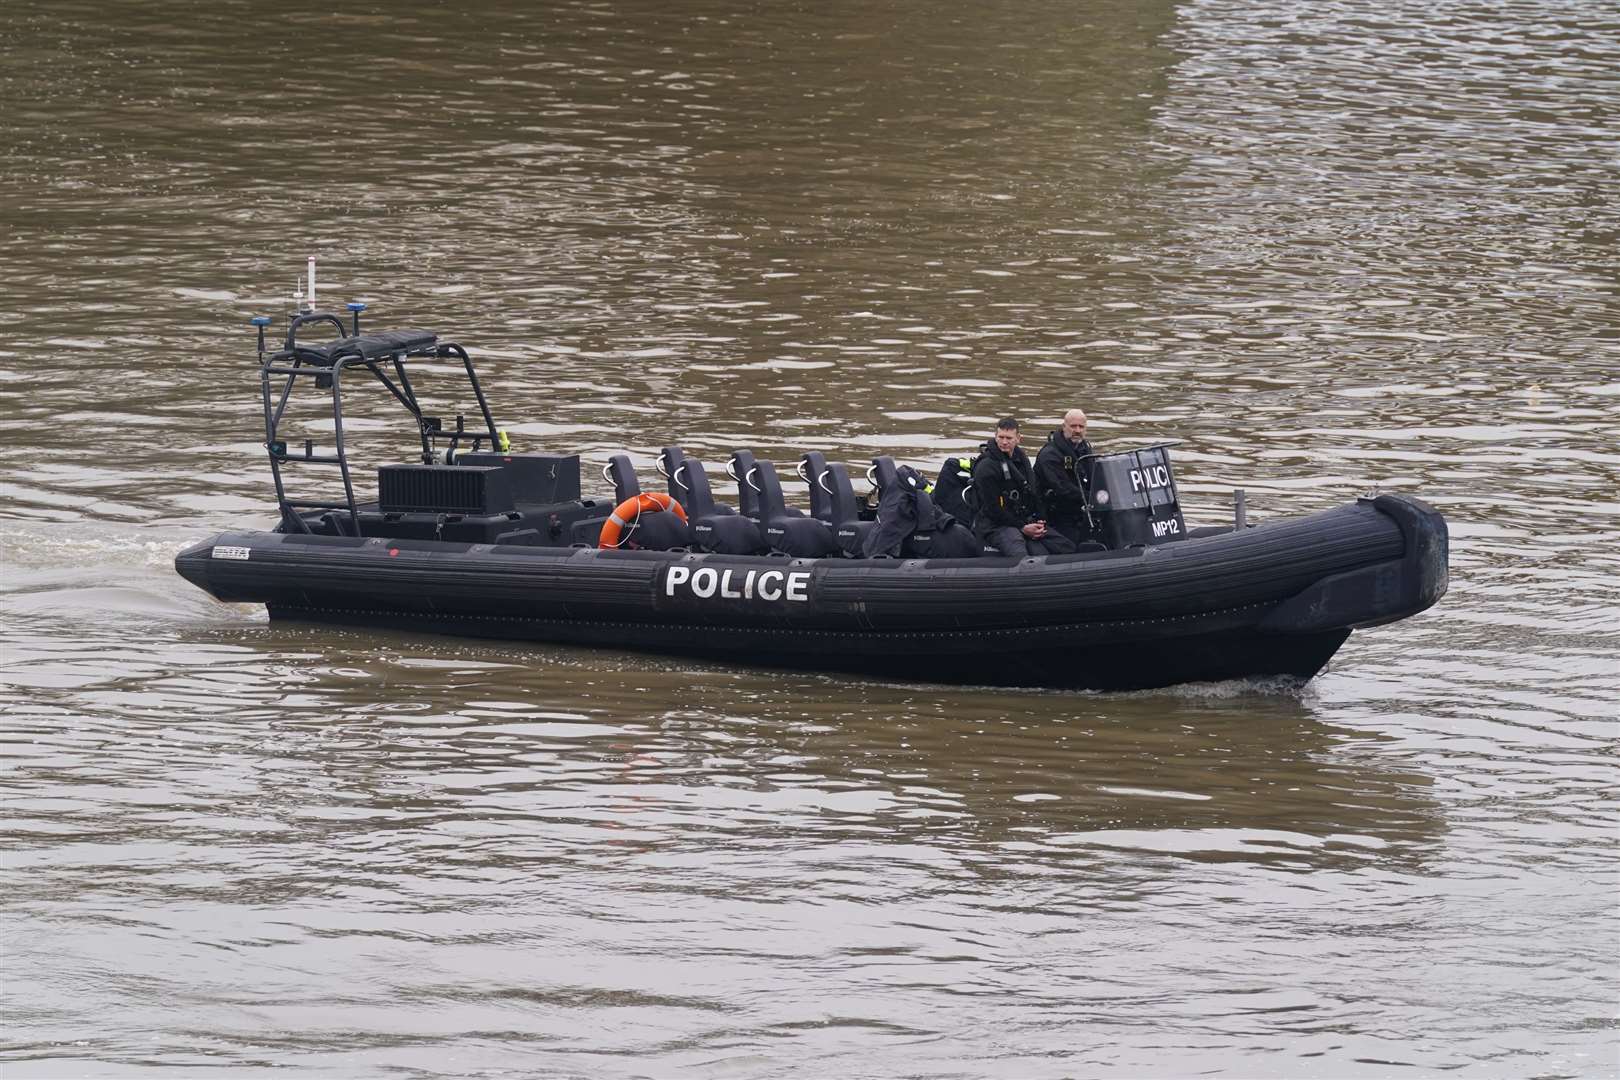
column 1133, row 500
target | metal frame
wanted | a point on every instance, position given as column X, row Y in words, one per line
column 292, row 362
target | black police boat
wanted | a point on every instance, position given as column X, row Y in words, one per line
column 477, row 539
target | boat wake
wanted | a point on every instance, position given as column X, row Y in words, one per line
column 87, row 570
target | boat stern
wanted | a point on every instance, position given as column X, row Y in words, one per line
column 196, row 563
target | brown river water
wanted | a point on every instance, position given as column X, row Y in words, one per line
column 1330, row 246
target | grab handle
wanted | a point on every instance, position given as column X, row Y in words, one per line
column 312, row 317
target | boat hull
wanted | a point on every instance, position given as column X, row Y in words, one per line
column 1272, row 601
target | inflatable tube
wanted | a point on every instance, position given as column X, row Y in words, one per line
column 1273, row 600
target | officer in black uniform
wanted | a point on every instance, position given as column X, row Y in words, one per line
column 1063, row 476
column 1007, row 513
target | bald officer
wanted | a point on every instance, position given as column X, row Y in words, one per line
column 1063, row 477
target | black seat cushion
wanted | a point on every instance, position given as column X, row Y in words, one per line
column 370, row 346
column 658, row 531
column 622, row 474
column 727, row 534
column 851, row 536
column 803, row 537
column 787, row 529
column 813, row 470
column 689, row 486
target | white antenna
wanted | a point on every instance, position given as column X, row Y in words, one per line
column 312, row 283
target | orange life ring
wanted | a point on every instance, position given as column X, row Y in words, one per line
column 627, row 513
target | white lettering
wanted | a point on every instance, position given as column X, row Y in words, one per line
column 1152, row 478
column 770, row 585
column 734, row 584
column 228, row 551
column 798, row 585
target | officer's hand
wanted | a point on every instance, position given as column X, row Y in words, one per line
column 1035, row 530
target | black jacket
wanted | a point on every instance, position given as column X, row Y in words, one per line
column 1063, row 478
column 896, row 515
column 911, row 525
column 1003, row 490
